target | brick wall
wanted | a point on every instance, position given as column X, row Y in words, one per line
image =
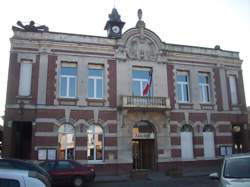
column 112, row 83
column 13, row 79
column 218, row 88
column 51, row 81
column 34, row 80
column 171, row 86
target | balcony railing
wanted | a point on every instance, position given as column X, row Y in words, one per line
column 145, row 102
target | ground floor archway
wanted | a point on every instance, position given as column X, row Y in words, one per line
column 144, row 146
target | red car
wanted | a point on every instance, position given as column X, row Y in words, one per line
column 68, row 172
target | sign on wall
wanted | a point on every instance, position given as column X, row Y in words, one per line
column 144, row 135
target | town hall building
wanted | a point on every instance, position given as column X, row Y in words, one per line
column 122, row 102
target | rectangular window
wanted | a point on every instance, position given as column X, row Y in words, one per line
column 226, row 150
column 203, row 79
column 182, row 86
column 95, row 82
column 25, row 78
column 95, row 143
column 68, row 80
column 46, row 154
column 233, row 89
column 142, row 79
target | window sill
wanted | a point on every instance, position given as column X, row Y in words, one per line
column 95, row 102
column 207, row 106
column 68, row 98
column 185, row 105
column 67, row 101
column 21, row 100
column 24, row 97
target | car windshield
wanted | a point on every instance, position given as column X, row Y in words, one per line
column 237, row 168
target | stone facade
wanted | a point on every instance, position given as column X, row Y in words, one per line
column 138, row 47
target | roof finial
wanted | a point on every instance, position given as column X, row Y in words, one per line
column 140, row 23
column 139, row 13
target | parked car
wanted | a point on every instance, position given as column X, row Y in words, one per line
column 235, row 171
column 23, row 165
column 22, row 178
column 69, row 172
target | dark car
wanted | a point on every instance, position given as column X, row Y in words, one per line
column 24, row 165
column 69, row 172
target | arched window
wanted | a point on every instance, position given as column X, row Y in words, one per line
column 66, row 141
column 187, row 142
column 208, row 141
column 95, row 143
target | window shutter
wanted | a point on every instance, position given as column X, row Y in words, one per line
column 25, row 79
column 186, row 145
column 208, row 141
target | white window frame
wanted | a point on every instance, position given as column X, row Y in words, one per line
column 183, row 84
column 68, row 77
column 203, row 87
column 95, row 78
column 25, row 78
column 141, row 81
column 65, row 133
column 96, row 134
column 233, row 89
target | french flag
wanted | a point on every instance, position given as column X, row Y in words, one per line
column 148, row 85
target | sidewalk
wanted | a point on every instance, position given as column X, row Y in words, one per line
column 112, row 179
column 158, row 176
column 204, row 171
column 155, row 176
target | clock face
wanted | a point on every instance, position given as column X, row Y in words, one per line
column 116, row 29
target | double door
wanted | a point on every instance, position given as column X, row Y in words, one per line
column 143, row 153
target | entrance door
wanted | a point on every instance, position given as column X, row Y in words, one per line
column 143, row 145
column 143, row 154
column 21, row 140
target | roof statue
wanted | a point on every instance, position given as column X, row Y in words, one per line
column 140, row 23
column 139, row 13
column 31, row 27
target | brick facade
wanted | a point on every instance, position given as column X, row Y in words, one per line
column 120, row 110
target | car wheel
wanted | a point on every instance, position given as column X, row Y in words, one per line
column 78, row 181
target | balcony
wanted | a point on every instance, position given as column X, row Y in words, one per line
column 145, row 102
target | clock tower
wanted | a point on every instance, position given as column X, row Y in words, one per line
column 114, row 25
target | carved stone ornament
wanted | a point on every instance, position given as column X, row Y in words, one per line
column 141, row 48
column 31, row 27
column 120, row 53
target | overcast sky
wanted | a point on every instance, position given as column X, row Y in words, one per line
column 204, row 23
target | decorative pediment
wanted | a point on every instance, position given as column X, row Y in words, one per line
column 140, row 43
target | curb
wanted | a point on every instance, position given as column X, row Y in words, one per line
column 111, row 179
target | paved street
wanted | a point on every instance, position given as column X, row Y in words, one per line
column 200, row 181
